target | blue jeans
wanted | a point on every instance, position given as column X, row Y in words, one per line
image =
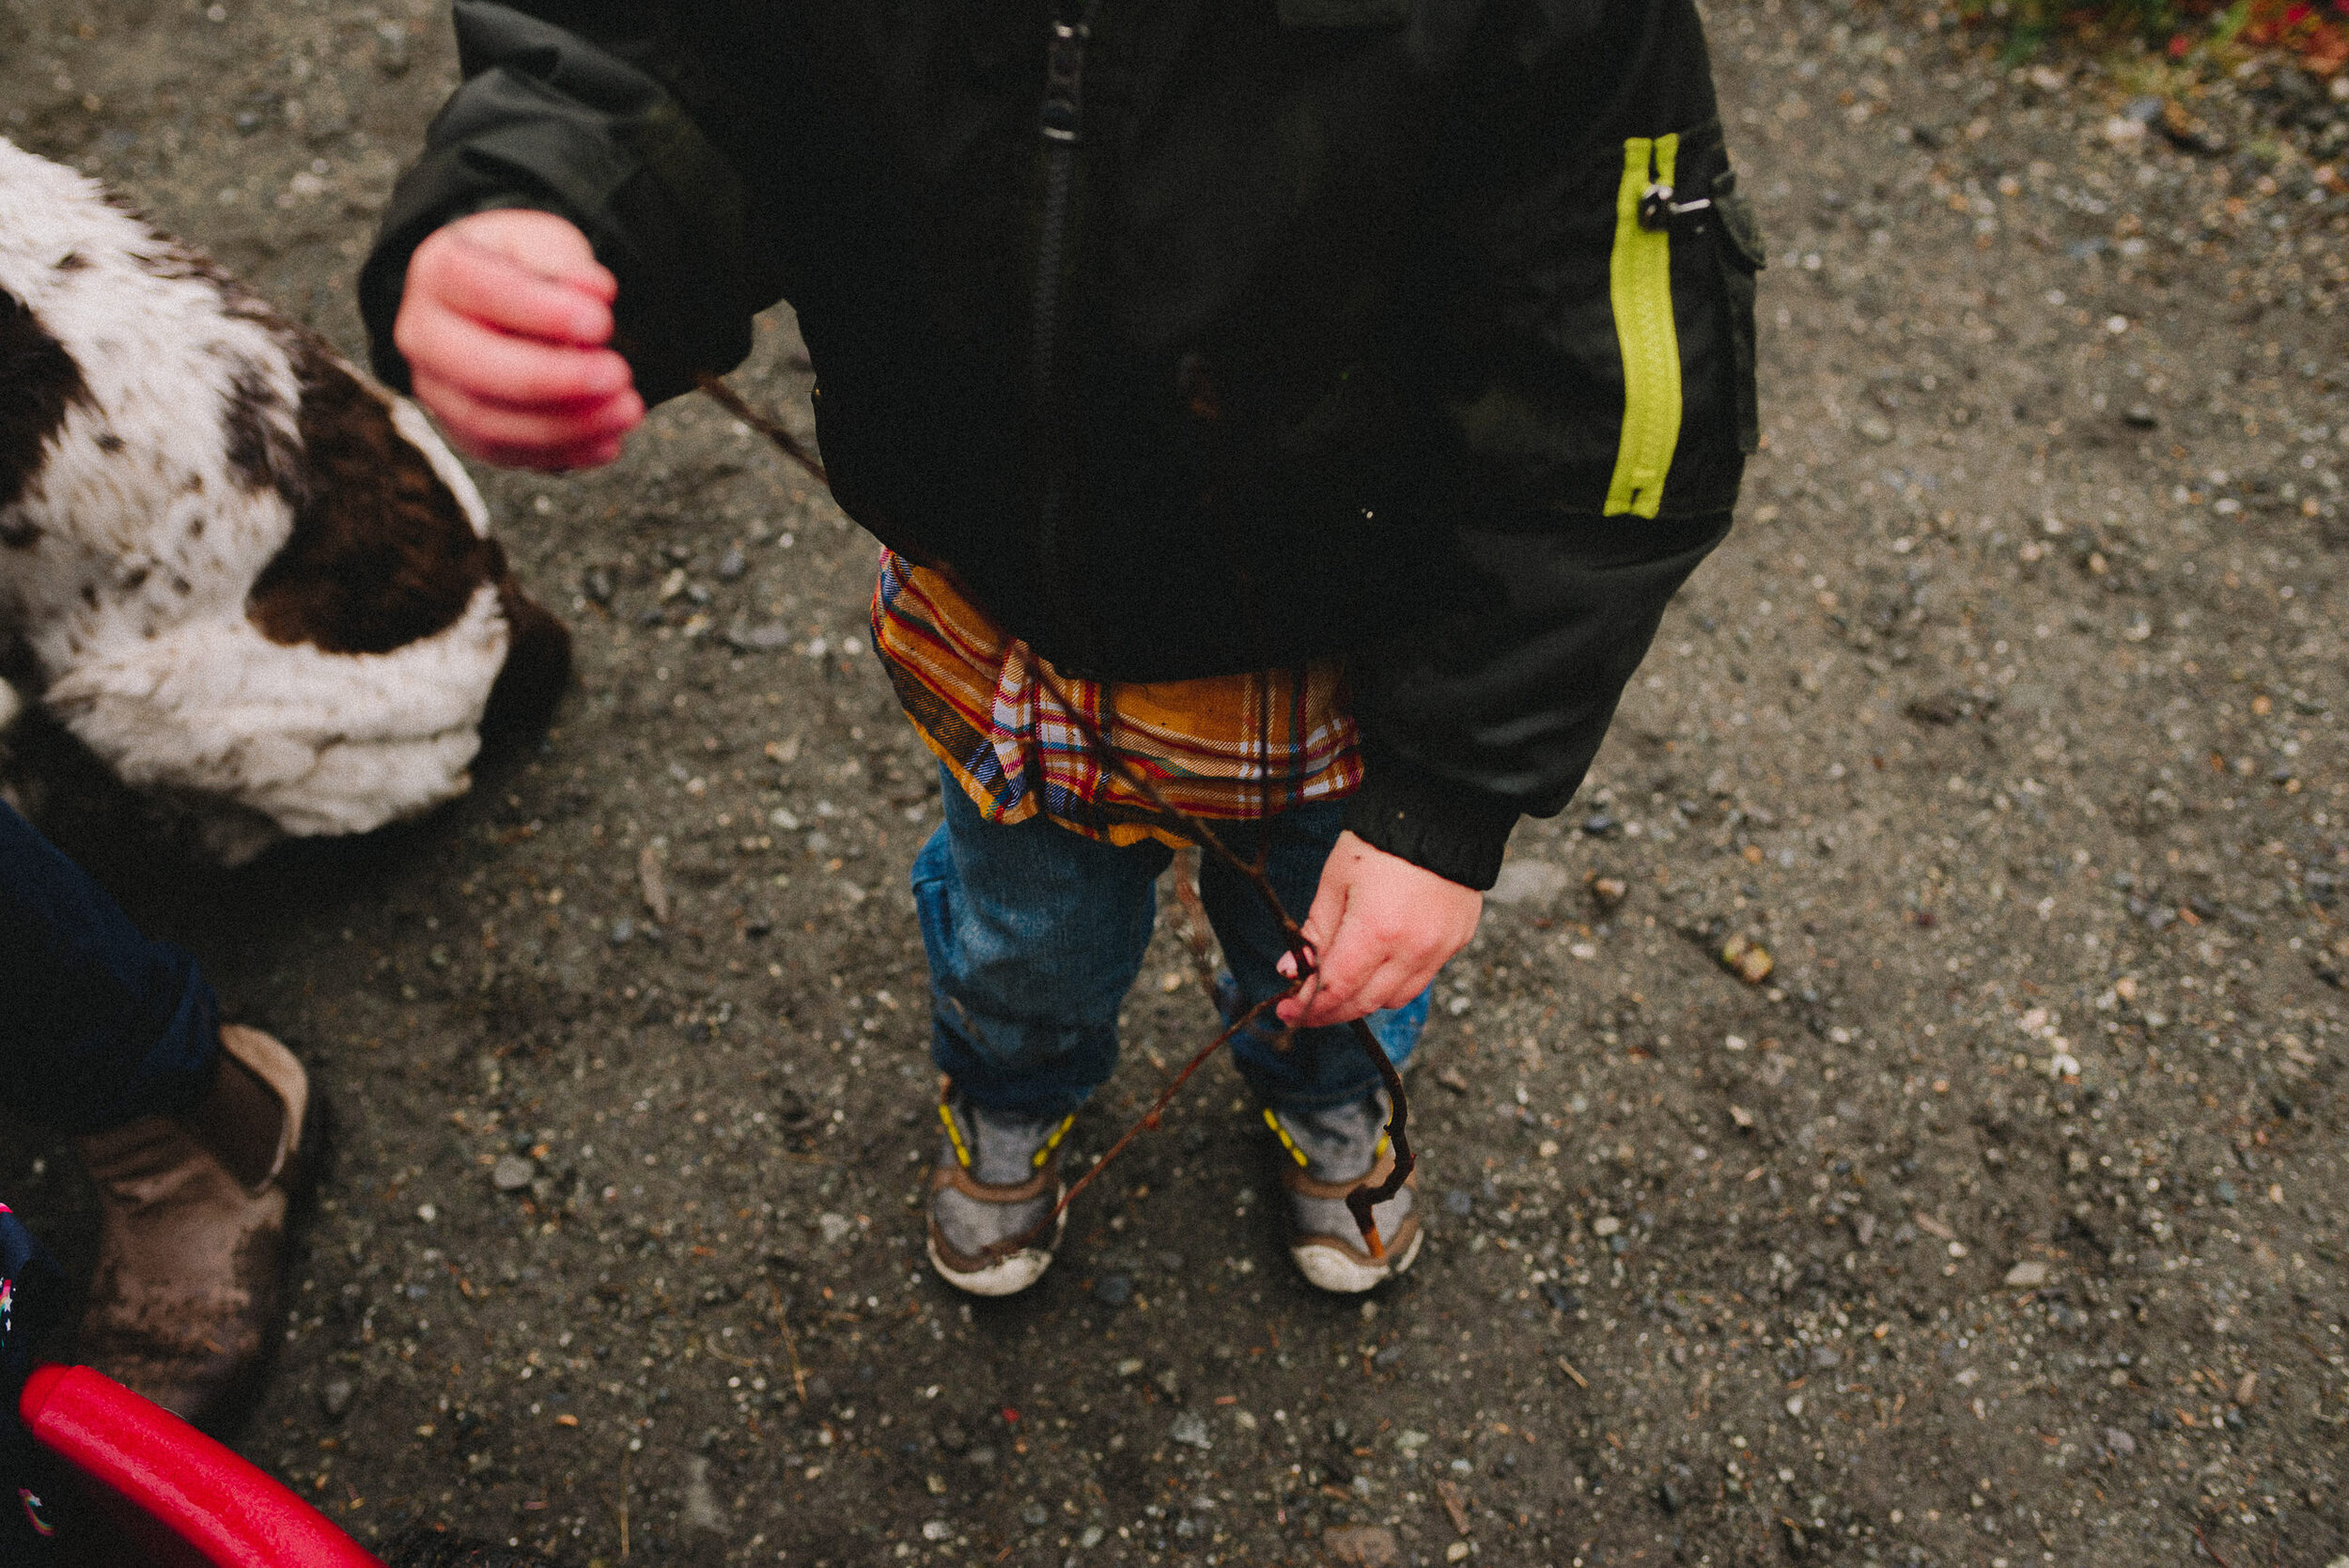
column 1036, row 933
column 98, row 1026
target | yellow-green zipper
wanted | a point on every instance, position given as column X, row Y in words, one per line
column 1640, row 285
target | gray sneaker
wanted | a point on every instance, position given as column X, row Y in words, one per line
column 993, row 1196
column 1326, row 1155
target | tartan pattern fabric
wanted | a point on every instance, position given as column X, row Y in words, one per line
column 1226, row 747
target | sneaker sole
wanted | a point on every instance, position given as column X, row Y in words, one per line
column 1333, row 1269
column 1008, row 1277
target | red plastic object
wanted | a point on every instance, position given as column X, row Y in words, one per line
column 188, row 1501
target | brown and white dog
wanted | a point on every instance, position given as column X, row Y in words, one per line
column 251, row 582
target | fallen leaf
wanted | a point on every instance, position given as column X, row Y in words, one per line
column 1454, row 1504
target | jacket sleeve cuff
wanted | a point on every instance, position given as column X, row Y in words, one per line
column 1457, row 833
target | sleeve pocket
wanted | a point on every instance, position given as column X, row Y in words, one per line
column 1742, row 255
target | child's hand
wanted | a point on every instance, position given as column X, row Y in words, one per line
column 1382, row 927
column 504, row 325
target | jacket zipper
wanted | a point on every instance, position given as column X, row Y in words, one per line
column 1061, row 125
column 1640, row 287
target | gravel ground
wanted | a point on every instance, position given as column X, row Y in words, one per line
column 1997, row 1222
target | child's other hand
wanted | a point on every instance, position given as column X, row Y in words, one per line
column 506, row 324
column 1382, row 927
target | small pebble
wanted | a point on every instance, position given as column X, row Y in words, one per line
column 512, row 1173
column 732, row 564
column 1526, row 882
column 334, row 1397
column 1114, row 1290
column 1748, row 960
column 1191, row 1428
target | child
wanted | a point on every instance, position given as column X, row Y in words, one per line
column 1322, row 397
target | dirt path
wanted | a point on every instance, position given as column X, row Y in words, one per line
column 2001, row 1225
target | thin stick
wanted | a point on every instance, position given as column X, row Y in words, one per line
column 1580, row 1381
column 1149, row 1119
column 790, row 1346
column 730, row 400
column 2211, row 1550
column 1365, row 1197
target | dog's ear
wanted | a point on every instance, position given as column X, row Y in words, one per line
column 537, row 667
column 39, row 383
column 383, row 552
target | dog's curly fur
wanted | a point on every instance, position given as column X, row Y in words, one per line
column 251, row 582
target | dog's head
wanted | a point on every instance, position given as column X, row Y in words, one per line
column 354, row 690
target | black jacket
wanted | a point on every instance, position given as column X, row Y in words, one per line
column 1328, row 354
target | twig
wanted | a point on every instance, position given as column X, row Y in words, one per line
column 790, row 1346
column 1580, row 1381
column 1149, row 1119
column 1166, row 1096
column 2209, row 1550
column 730, row 400
column 624, row 1505
column 1364, row 1198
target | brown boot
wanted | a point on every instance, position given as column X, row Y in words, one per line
column 192, row 1249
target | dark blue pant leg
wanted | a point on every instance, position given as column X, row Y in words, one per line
column 98, row 1026
column 1034, row 934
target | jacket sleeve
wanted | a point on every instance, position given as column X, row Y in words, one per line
column 1475, row 718
column 576, row 119
column 1492, row 706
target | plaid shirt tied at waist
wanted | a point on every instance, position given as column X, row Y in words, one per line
column 1226, row 747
